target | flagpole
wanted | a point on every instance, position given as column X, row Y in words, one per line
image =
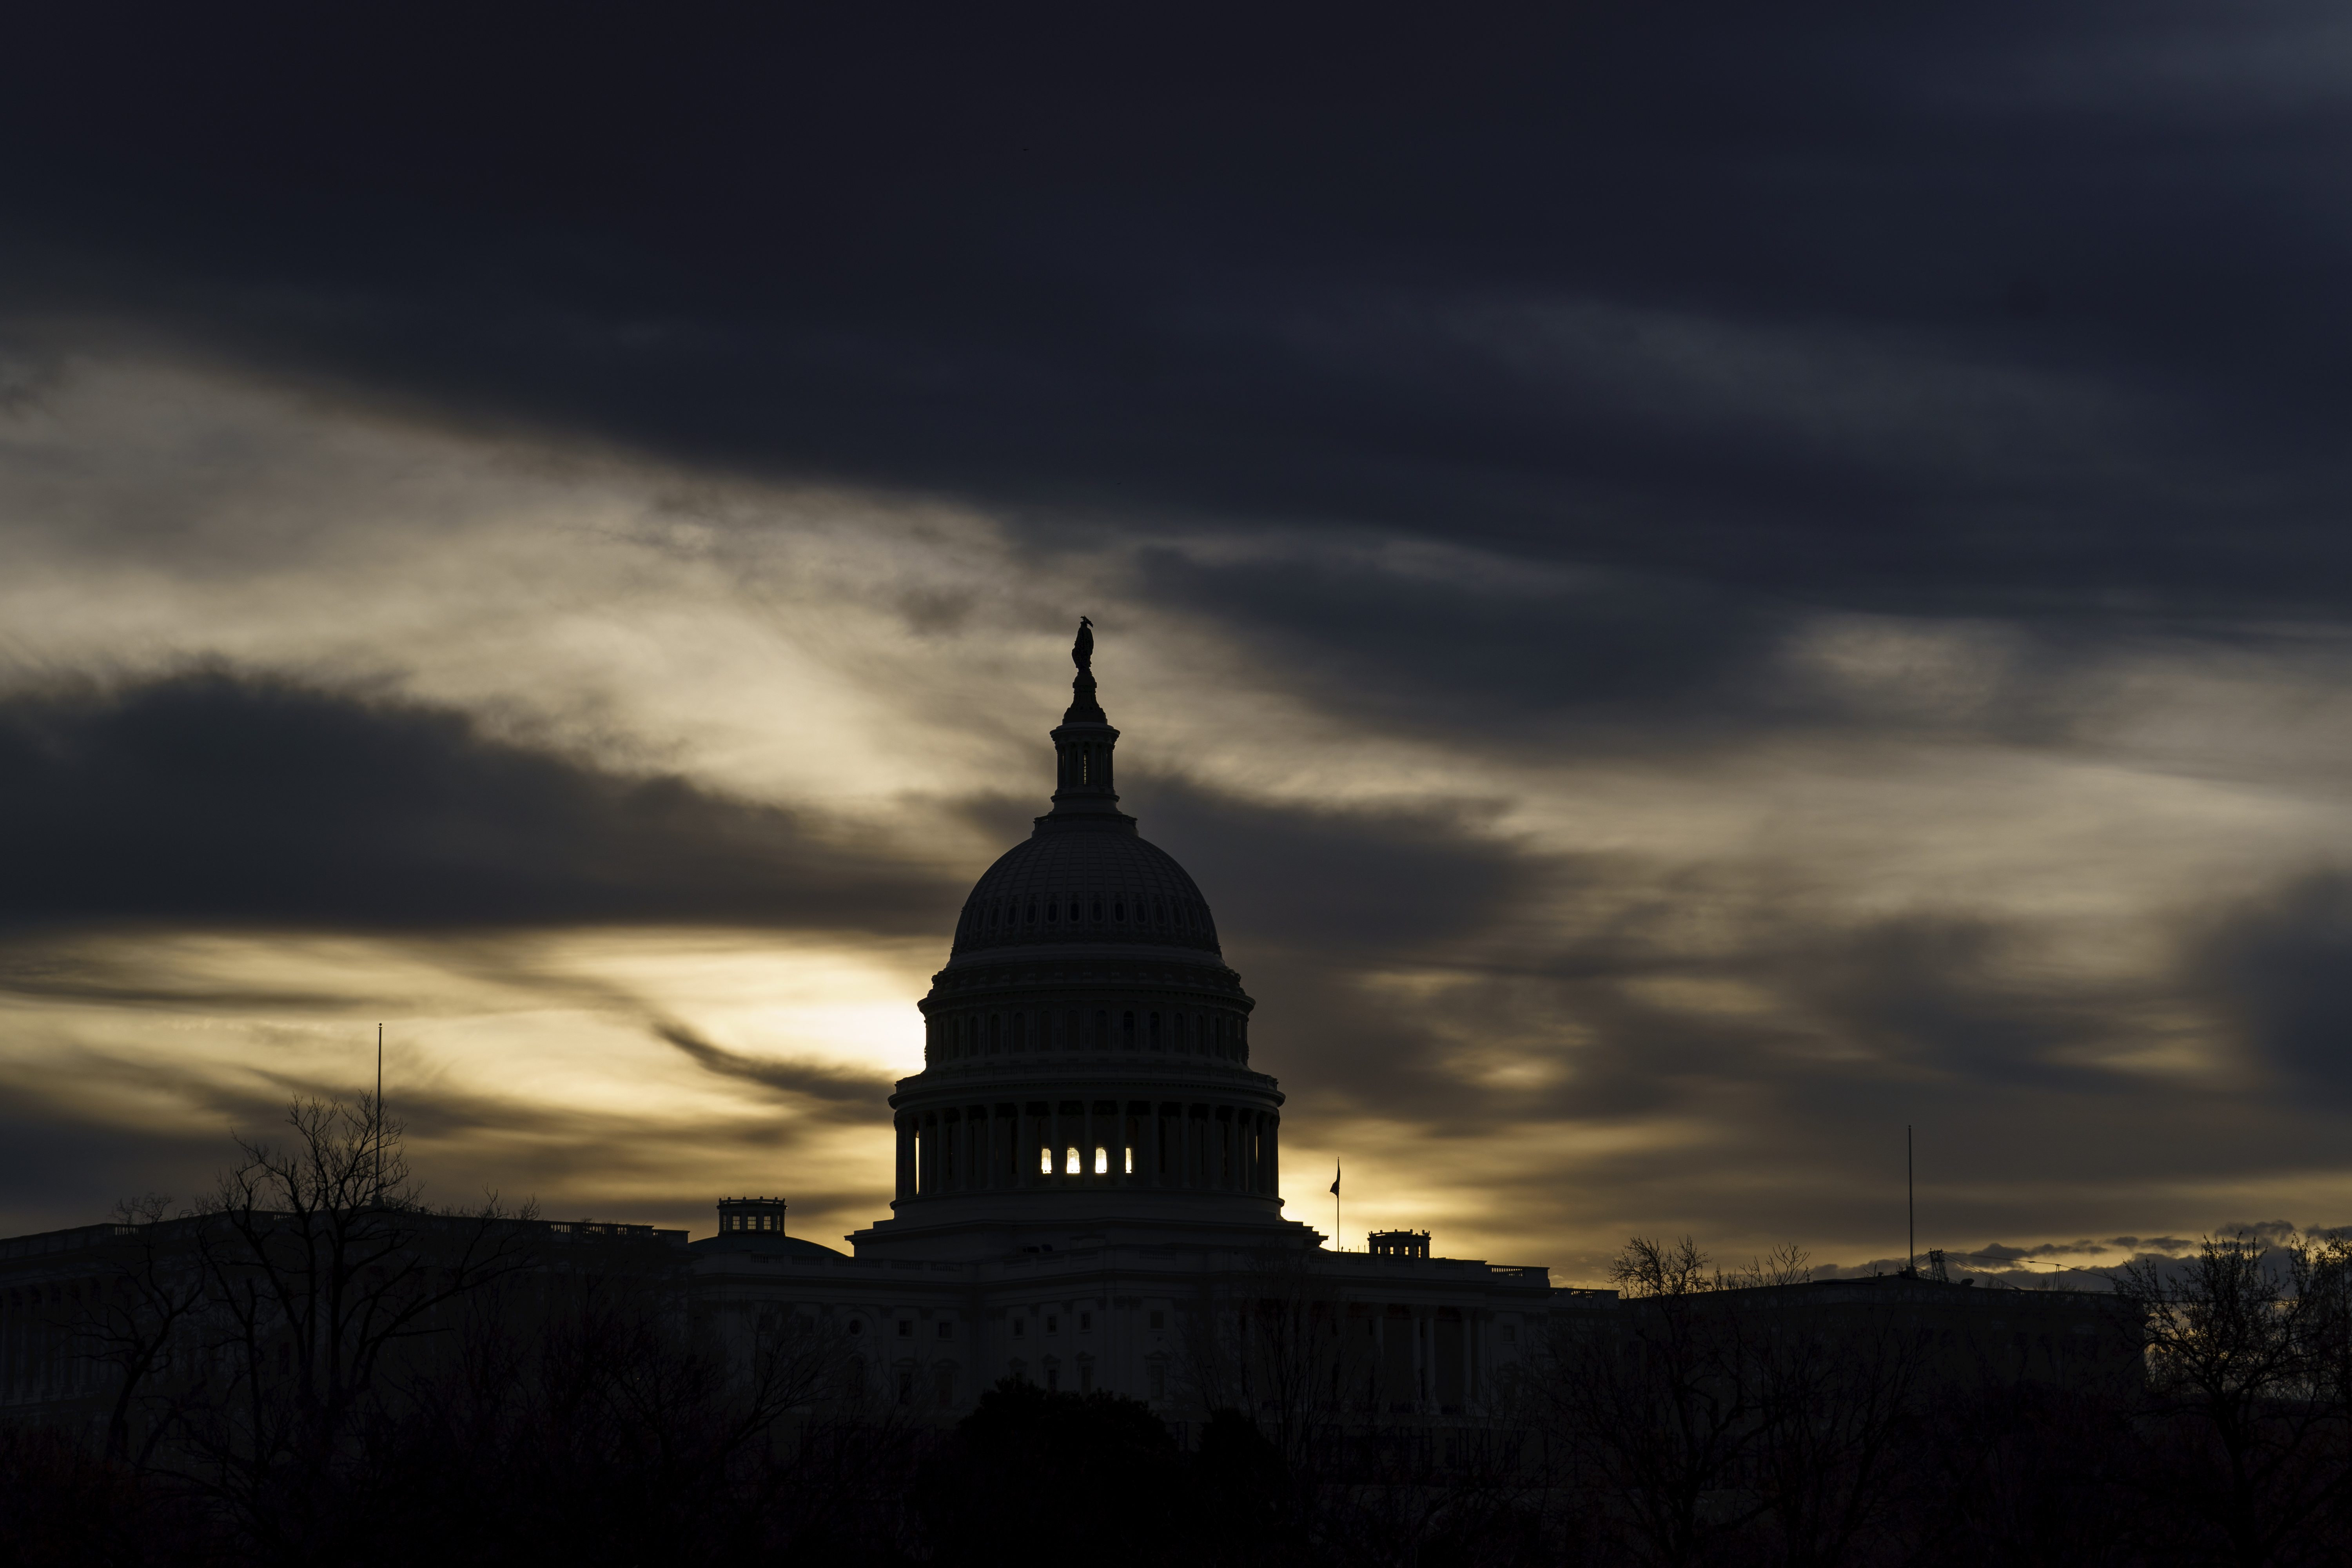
column 1339, row 1238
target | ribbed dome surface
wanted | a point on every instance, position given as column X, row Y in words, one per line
column 1084, row 882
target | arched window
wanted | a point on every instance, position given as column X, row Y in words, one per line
column 1098, row 909
column 1155, row 1032
column 1119, row 910
column 995, row 1033
column 1020, row 1031
column 1033, row 912
column 1052, row 910
column 1127, row 1030
column 1102, row 1030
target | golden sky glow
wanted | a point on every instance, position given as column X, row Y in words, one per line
column 884, row 666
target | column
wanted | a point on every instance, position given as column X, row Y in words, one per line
column 906, row 1157
column 1273, row 1155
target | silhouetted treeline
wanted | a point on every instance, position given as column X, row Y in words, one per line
column 312, row 1368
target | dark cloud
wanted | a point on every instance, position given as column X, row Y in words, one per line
column 2026, row 309
column 842, row 1091
column 1395, row 644
column 216, row 798
column 2280, row 969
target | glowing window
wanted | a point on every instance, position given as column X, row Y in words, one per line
column 1102, row 1160
column 1070, row 1167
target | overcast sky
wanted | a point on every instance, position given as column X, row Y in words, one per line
column 1696, row 585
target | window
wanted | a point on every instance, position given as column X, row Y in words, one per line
column 1053, row 1378
column 1119, row 909
column 905, row 1388
column 1033, row 912
column 1158, row 1319
column 1102, row 1031
column 856, row 1327
column 1155, row 1031
column 946, row 1386
column 1052, row 912
column 1127, row 1030
column 947, row 1330
column 1085, row 1323
column 1020, row 1327
column 1510, row 1336
column 906, row 1328
column 1085, row 1378
column 1158, row 1373
column 1044, row 1162
column 1102, row 1160
column 1070, row 1167
column 1020, row 1031
column 1098, row 907
column 1053, row 1323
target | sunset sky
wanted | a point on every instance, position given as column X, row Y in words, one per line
column 1695, row 585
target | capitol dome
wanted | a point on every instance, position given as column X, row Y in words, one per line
column 1083, row 882
column 1086, row 1049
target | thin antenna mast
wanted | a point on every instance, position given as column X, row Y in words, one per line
column 1910, row 1202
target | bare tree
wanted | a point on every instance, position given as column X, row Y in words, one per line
column 270, row 1328
column 1649, row 1412
column 2247, row 1431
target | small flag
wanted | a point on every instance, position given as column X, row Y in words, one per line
column 1335, row 1178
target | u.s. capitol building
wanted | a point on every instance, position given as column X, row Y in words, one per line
column 1090, row 1160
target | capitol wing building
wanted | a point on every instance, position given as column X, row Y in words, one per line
column 1089, row 1164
